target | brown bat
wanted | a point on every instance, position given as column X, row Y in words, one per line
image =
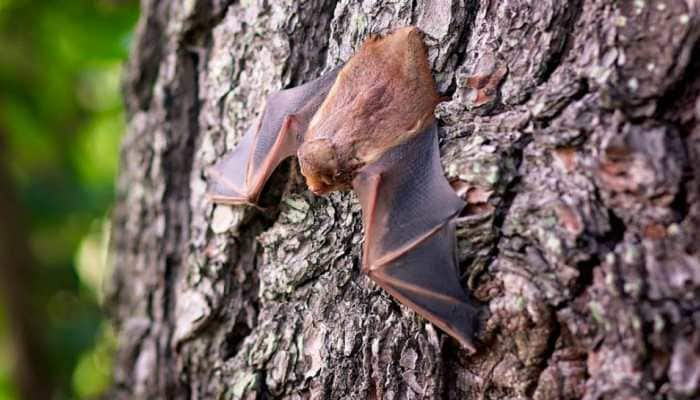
column 369, row 126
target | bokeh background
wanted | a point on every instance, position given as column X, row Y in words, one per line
column 61, row 120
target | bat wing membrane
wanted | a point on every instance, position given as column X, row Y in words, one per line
column 276, row 134
column 408, row 211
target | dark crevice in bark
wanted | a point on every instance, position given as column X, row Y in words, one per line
column 541, row 123
column 510, row 192
column 412, row 6
column 181, row 103
column 466, row 29
column 145, row 63
column 585, row 278
column 165, row 355
column 680, row 203
column 263, row 392
column 202, row 20
column 296, row 68
column 236, row 332
column 453, row 361
column 677, row 107
column 546, row 356
column 233, row 340
column 616, row 234
column 679, row 95
column 273, row 191
column 569, row 20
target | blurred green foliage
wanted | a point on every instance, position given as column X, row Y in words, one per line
column 62, row 119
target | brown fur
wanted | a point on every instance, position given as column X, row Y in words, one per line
column 383, row 96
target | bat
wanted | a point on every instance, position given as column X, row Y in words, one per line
column 369, row 126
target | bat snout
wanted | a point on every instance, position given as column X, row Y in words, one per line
column 318, row 183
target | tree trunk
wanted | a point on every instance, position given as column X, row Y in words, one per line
column 573, row 130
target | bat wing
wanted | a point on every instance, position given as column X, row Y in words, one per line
column 276, row 134
column 409, row 249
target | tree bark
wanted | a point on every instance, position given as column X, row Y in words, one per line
column 572, row 127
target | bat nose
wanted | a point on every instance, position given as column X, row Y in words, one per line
column 319, row 187
column 319, row 190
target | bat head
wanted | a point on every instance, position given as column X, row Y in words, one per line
column 384, row 96
column 319, row 163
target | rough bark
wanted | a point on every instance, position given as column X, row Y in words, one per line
column 573, row 130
